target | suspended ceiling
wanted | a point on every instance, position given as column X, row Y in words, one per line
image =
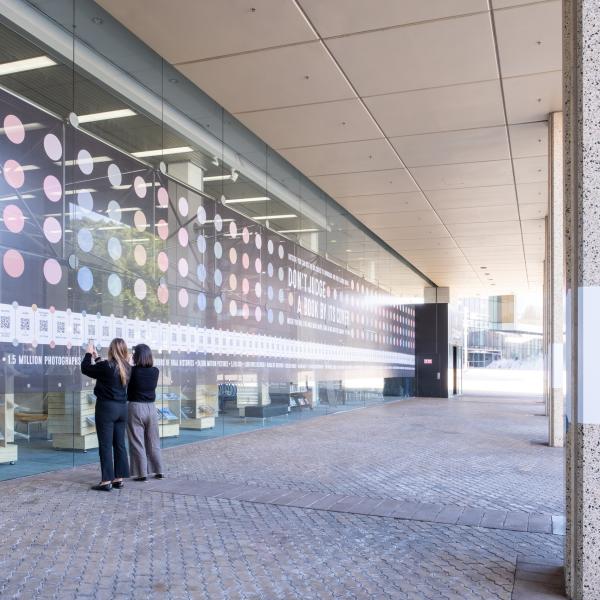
column 426, row 120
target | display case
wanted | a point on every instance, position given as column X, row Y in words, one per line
column 168, row 407
column 71, row 420
column 200, row 412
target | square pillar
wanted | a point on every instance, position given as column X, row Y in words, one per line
column 555, row 283
column 581, row 110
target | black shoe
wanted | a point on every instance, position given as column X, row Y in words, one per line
column 103, row 487
column 118, row 484
column 140, row 478
column 159, row 476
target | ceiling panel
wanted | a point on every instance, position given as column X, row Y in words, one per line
column 410, row 233
column 489, row 241
column 498, row 195
column 340, row 17
column 459, row 230
column 532, row 97
column 440, row 241
column 439, row 109
column 193, row 30
column 529, row 38
column 287, row 76
column 371, row 182
column 533, row 226
column 533, row 211
column 529, row 139
column 384, row 203
column 403, row 219
column 480, row 214
column 311, row 125
column 532, row 193
column 436, row 53
column 478, row 174
column 347, row 157
column 490, row 143
column 531, row 170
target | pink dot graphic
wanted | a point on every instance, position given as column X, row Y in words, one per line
column 163, row 294
column 245, row 235
column 139, row 254
column 245, row 286
column 162, row 195
column 52, row 147
column 14, row 129
column 258, row 314
column 245, row 260
column 182, row 236
column 52, row 188
column 13, row 263
column 13, row 218
column 183, row 298
column 139, row 185
column 245, row 311
column 52, row 230
column 13, row 173
column 163, row 261
column 52, row 271
column 162, row 228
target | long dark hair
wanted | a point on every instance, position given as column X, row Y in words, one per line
column 142, row 356
column 118, row 354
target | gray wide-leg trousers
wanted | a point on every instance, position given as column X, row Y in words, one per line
column 144, row 441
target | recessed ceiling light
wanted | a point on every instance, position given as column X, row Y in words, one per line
column 28, row 64
column 163, row 151
column 272, row 217
column 243, row 200
column 106, row 115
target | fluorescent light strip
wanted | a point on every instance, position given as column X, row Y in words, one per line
column 216, row 178
column 273, row 217
column 26, row 127
column 243, row 200
column 127, row 186
column 95, row 159
column 298, row 230
column 162, row 151
column 28, row 64
column 82, row 191
column 23, row 197
column 106, row 116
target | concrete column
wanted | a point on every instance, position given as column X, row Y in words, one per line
column 581, row 109
column 555, row 268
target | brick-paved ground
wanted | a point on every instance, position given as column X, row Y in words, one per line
column 486, row 452
column 61, row 540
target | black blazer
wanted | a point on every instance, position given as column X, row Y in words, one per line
column 142, row 385
column 108, row 383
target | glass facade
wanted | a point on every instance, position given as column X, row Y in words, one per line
column 128, row 211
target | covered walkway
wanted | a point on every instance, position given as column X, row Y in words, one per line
column 411, row 499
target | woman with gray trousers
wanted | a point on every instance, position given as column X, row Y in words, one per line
column 142, row 419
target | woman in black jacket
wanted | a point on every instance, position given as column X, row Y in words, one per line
column 112, row 376
column 142, row 422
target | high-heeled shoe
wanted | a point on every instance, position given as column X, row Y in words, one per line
column 118, row 484
column 103, row 487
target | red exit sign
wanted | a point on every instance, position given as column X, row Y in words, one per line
column 428, row 361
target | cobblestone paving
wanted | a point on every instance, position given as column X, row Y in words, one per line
column 61, row 540
column 486, row 452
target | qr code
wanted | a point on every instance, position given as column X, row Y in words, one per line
column 130, row 333
column 60, row 327
column 44, row 325
column 91, row 330
column 118, row 332
column 25, row 324
column 105, row 331
column 4, row 322
column 76, row 328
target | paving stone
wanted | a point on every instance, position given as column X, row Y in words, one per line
column 516, row 521
column 427, row 512
column 539, row 523
column 493, row 518
column 449, row 514
column 471, row 516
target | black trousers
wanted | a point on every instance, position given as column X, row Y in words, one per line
column 111, row 425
